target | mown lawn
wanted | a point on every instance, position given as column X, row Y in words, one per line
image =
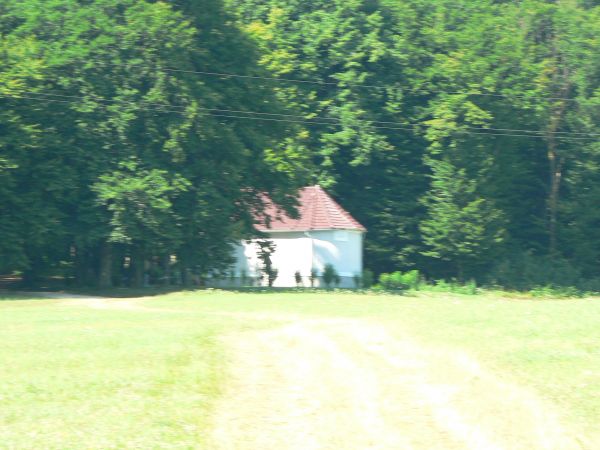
column 74, row 377
column 78, row 378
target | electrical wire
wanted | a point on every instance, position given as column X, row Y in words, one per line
column 317, row 119
column 303, row 122
column 337, row 84
column 318, row 82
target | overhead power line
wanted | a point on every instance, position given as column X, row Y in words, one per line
column 213, row 112
column 360, row 86
column 227, row 113
column 303, row 119
column 337, row 83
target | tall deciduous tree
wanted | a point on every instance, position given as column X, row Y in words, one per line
column 456, row 131
column 340, row 49
column 117, row 86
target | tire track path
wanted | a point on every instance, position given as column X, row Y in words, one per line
column 348, row 384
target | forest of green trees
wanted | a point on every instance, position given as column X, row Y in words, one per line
column 464, row 134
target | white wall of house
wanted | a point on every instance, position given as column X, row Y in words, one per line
column 341, row 248
column 293, row 252
column 303, row 251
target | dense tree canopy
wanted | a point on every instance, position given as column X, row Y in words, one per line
column 494, row 107
column 111, row 152
column 139, row 134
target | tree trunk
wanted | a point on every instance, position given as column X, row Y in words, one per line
column 105, row 270
column 78, row 265
column 166, row 265
column 85, row 273
column 31, row 276
column 137, row 263
column 556, row 165
column 460, row 272
column 556, row 173
column 187, row 277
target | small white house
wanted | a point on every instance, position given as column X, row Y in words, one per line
column 323, row 234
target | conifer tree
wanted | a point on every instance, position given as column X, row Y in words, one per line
column 462, row 229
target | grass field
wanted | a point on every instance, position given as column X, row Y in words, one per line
column 147, row 373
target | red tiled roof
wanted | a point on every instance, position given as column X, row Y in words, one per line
column 317, row 211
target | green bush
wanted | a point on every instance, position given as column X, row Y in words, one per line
column 330, row 276
column 527, row 271
column 314, row 274
column 591, row 286
column 367, row 279
column 398, row 281
column 244, row 278
column 550, row 291
column 454, row 287
column 364, row 280
column 542, row 276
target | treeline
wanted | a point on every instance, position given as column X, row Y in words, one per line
column 111, row 162
column 465, row 135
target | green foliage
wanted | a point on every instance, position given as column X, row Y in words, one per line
column 462, row 228
column 447, row 128
column 140, row 204
column 486, row 194
column 330, row 276
column 314, row 276
column 102, row 141
column 454, row 287
column 400, row 281
column 367, row 279
column 526, row 271
column 590, row 286
column 556, row 292
column 266, row 249
column 376, row 173
column 298, row 278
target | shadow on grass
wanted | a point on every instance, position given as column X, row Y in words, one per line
column 288, row 290
column 12, row 287
column 155, row 291
column 38, row 293
column 8, row 296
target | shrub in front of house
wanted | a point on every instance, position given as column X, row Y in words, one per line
column 272, row 276
column 550, row 291
column 453, row 287
column 314, row 275
column 364, row 280
column 591, row 286
column 400, row 281
column 298, row 278
column 525, row 271
column 330, row 276
column 367, row 279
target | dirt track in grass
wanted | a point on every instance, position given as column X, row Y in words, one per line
column 348, row 384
